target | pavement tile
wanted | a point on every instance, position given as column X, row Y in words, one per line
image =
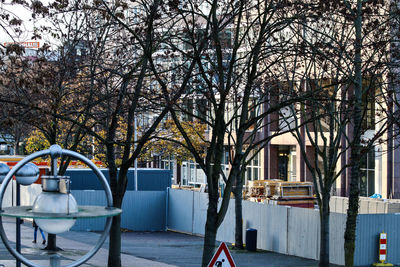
column 153, row 249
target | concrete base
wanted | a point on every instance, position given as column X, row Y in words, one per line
column 382, row 264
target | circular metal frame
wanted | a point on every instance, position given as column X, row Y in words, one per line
column 56, row 151
column 83, row 212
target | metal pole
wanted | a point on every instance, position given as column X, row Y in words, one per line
column 166, row 209
column 52, row 238
column 18, row 227
column 55, row 261
column 135, row 139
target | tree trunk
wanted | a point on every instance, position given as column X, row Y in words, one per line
column 352, row 212
column 210, row 231
column 114, row 255
column 16, row 143
column 351, row 222
column 238, row 213
column 324, row 234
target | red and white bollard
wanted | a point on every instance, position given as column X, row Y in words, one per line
column 382, row 250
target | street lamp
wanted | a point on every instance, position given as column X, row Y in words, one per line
column 28, row 174
column 55, row 190
column 55, row 209
column 4, row 169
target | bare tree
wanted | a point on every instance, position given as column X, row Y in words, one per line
column 125, row 49
column 226, row 40
column 256, row 98
column 345, row 62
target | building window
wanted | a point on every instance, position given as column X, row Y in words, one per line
column 167, row 163
column 287, row 116
column 192, row 174
column 368, row 99
column 319, row 107
column 185, row 176
column 367, row 174
column 292, row 165
column 253, row 171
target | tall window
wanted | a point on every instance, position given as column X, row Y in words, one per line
column 319, row 106
column 167, row 163
column 368, row 100
column 367, row 164
column 253, row 171
column 367, row 176
column 254, row 109
column 201, row 108
column 286, row 114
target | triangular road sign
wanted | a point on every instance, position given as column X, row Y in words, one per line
column 222, row 258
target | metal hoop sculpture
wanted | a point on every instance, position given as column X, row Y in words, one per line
column 56, row 151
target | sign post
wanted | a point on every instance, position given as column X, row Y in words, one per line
column 222, row 258
column 382, row 252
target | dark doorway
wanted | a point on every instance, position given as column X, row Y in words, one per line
column 283, row 161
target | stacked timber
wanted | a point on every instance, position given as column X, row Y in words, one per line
column 278, row 192
column 256, row 191
column 294, row 194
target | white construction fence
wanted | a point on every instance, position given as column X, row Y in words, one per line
column 288, row 230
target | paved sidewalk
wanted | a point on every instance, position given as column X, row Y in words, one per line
column 153, row 249
column 73, row 249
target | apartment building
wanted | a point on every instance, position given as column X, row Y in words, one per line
column 281, row 158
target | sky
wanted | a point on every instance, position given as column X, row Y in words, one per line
column 27, row 25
